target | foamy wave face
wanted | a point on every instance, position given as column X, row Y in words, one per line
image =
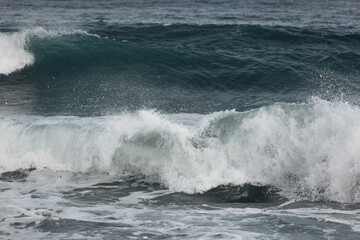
column 13, row 47
column 307, row 150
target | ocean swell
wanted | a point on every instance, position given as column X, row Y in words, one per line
column 306, row 150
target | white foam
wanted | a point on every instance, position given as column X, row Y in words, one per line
column 14, row 54
column 310, row 150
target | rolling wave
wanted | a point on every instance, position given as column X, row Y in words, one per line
column 177, row 68
column 241, row 54
column 305, row 150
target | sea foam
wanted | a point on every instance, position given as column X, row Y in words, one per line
column 310, row 151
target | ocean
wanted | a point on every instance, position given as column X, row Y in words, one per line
column 160, row 119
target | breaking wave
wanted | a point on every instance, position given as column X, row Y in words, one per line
column 306, row 150
column 14, row 53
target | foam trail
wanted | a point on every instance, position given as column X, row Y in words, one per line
column 14, row 54
column 307, row 150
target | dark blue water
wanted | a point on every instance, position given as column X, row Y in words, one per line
column 192, row 119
